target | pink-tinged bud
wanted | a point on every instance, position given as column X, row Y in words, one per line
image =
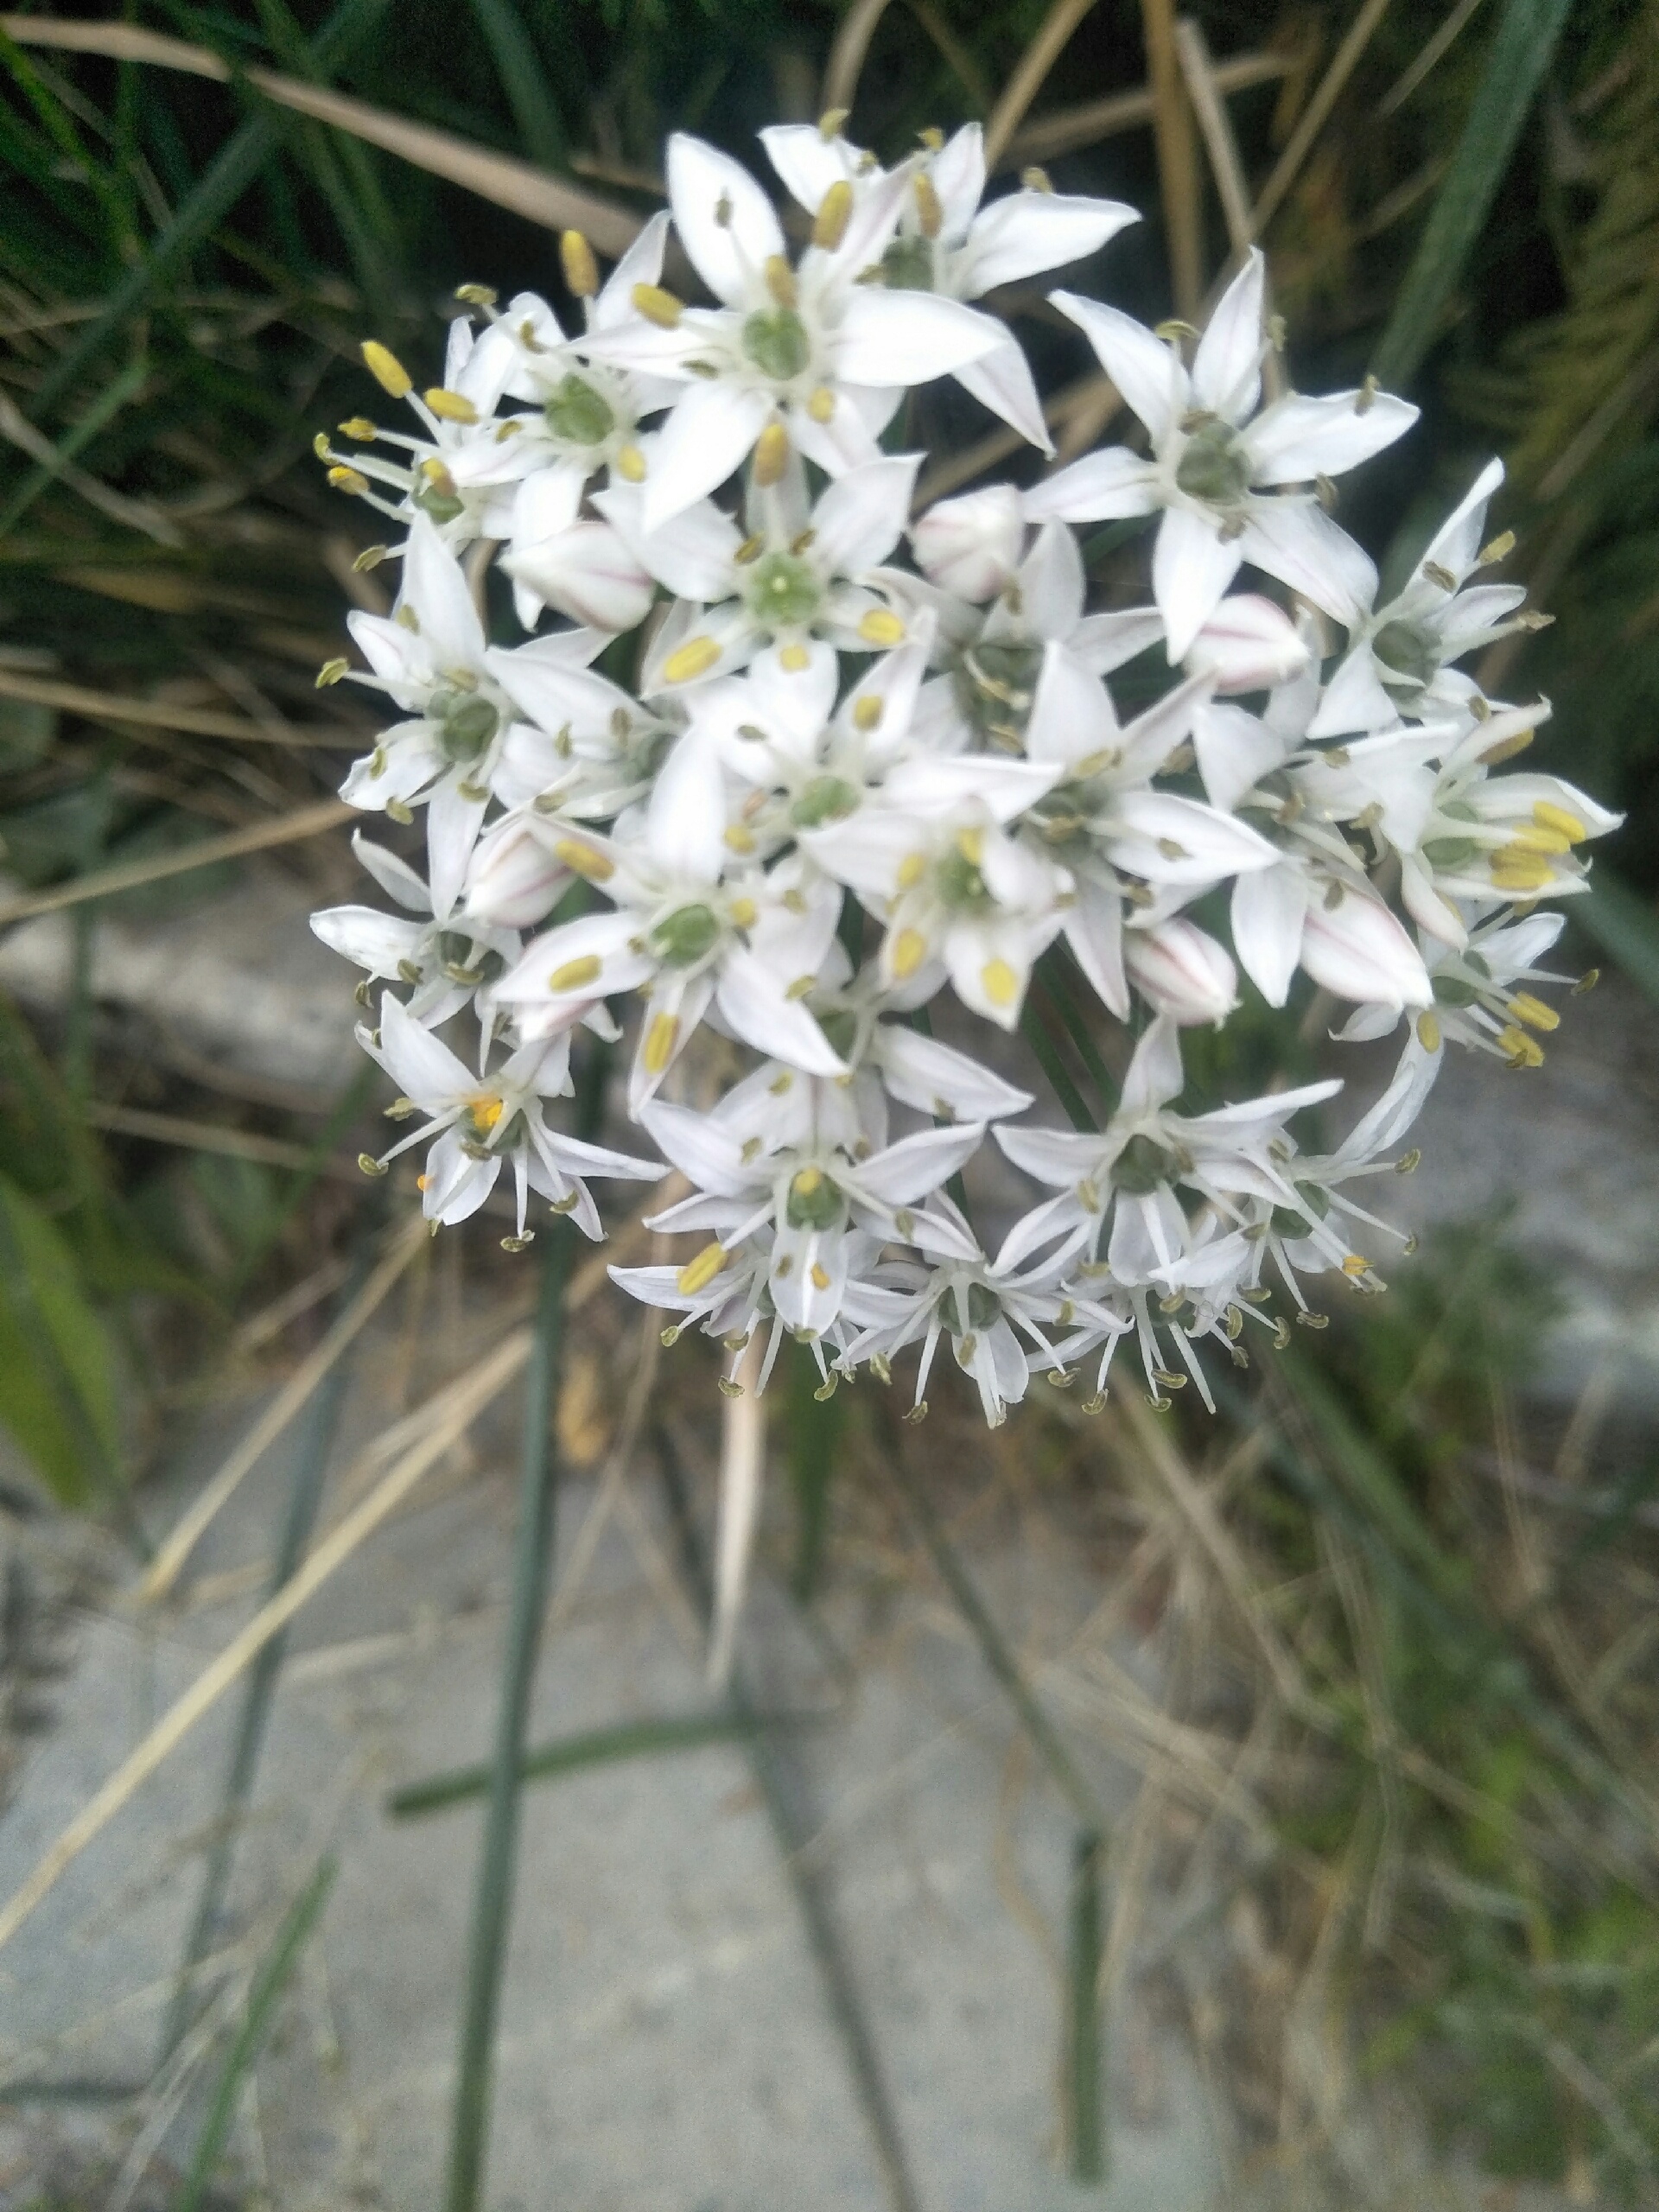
column 587, row 572
column 514, row 879
column 1354, row 945
column 972, row 546
column 1248, row 645
column 1182, row 971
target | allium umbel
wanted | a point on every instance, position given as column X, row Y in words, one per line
column 845, row 758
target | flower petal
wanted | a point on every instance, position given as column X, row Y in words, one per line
column 1227, row 366
column 1105, row 486
column 1001, row 381
column 709, row 434
column 1192, row 565
column 1296, row 541
column 909, row 338
column 1145, row 370
column 1031, row 230
column 1298, row 438
column 1268, row 910
column 725, row 221
column 860, row 517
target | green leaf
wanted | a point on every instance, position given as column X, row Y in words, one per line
column 1625, row 925
column 268, row 1986
column 57, row 1361
column 1515, row 62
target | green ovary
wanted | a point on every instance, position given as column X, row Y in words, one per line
column 1214, row 467
column 686, row 936
column 775, row 341
column 578, row 414
column 907, row 266
column 465, row 723
column 1141, row 1166
column 1407, row 657
column 826, row 798
column 783, row 591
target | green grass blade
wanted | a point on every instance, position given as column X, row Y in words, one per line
column 108, row 404
column 493, row 1896
column 628, row 1739
column 524, row 81
column 1515, row 62
column 1624, row 924
column 1036, row 1035
column 268, row 1986
column 1085, row 2118
column 222, row 184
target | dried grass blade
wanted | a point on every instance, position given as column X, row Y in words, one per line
column 165, row 1568
column 1031, row 73
column 259, row 837
column 1178, row 161
column 450, row 1413
column 1300, row 144
column 1066, row 129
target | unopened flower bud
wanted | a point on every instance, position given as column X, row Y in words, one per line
column 1183, row 971
column 1248, row 645
column 515, row 879
column 1354, row 946
column 587, row 572
column 972, row 546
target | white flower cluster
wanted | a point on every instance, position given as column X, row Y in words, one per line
column 814, row 739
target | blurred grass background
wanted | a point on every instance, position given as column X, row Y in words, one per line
column 187, row 268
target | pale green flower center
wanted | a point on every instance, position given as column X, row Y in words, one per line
column 1214, row 466
column 1141, row 1165
column 783, row 591
column 826, row 798
column 907, row 266
column 1407, row 653
column 465, row 723
column 578, row 414
column 686, row 936
column 775, row 341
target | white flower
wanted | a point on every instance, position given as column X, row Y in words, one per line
column 983, row 1308
column 798, row 577
column 1126, row 1175
column 1398, row 658
column 1249, row 644
column 945, row 243
column 445, row 962
column 1478, row 1000
column 482, row 1122
column 970, row 547
column 684, row 933
column 431, row 658
column 793, row 1171
column 1212, row 457
column 1182, row 971
column 808, row 353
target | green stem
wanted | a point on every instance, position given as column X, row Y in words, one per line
column 493, row 1896
column 629, row 1740
column 1036, row 1035
column 1085, row 2129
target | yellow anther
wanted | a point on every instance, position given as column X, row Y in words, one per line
column 1533, row 837
column 388, row 372
column 660, row 1039
column 970, row 843
column 743, row 912
column 697, row 1275
column 821, row 404
column 359, row 427
column 450, row 406
column 575, row 973
column 1001, row 984
column 1499, row 550
column 630, row 464
column 349, row 480
column 1587, row 981
column 438, row 476
column 576, row 259
column 1355, row 1264
column 932, row 137
column 738, row 838
column 771, row 454
column 331, row 672
column 694, row 657
column 911, row 869
column 477, row 296
column 1536, row 1016
column 663, row 308
column 422, row 1182
column 1522, row 1051
column 820, row 1277
column 794, row 658
column 909, row 951
column 867, row 711
column 807, row 1182
column 583, row 861
column 834, row 211
column 1439, row 574
column 929, row 214
column 830, row 121
column 369, row 557
column 484, row 1113
column 780, row 280
column 882, row 627
column 1516, row 868
column 1428, row 1033
column 1558, row 819
column 749, row 550
column 1507, row 747
column 1036, row 180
